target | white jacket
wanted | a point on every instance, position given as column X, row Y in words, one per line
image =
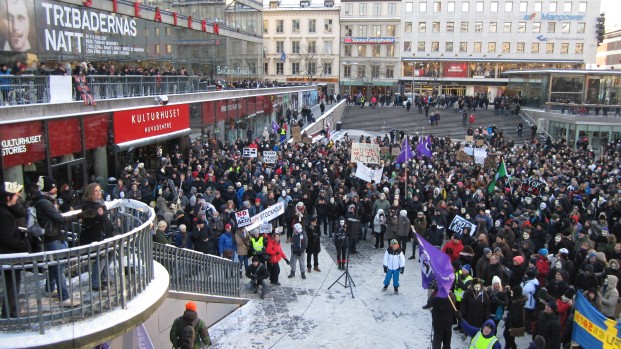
column 394, row 261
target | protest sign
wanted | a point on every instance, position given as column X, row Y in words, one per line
column 269, row 157
column 266, row 215
column 297, row 136
column 533, row 186
column 368, row 174
column 365, row 152
column 249, row 152
column 459, row 223
column 243, row 218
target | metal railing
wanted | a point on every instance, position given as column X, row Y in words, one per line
column 127, row 258
column 24, row 89
column 195, row 272
column 603, row 110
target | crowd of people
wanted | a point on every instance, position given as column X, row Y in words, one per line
column 547, row 231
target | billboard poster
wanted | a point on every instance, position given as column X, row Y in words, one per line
column 455, row 70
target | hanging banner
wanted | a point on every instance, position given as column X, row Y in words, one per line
column 365, row 152
column 592, row 329
column 368, row 174
column 459, row 223
column 266, row 215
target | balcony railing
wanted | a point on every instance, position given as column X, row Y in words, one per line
column 128, row 257
column 576, row 109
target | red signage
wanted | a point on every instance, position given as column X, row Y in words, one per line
column 22, row 143
column 65, row 136
column 455, row 70
column 136, row 124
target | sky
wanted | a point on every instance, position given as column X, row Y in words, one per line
column 611, row 7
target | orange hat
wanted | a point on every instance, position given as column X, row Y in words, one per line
column 190, row 306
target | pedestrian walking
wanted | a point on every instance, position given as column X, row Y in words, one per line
column 189, row 331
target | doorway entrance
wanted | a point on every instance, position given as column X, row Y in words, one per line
column 72, row 173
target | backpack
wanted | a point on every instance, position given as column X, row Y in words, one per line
column 32, row 223
column 187, row 335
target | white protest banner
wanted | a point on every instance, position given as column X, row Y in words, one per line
column 249, row 152
column 459, row 223
column 479, row 156
column 368, row 174
column 270, row 157
column 469, row 150
column 266, row 215
column 365, row 152
column 243, row 218
column 266, row 228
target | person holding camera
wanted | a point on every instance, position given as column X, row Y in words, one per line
column 299, row 243
column 258, row 273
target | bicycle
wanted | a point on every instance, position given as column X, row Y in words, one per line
column 23, row 95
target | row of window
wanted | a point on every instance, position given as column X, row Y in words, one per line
column 309, row 46
column 507, row 27
column 377, row 9
column 376, row 30
column 298, row 68
column 520, row 47
column 375, row 50
column 494, row 6
column 373, row 71
column 295, row 26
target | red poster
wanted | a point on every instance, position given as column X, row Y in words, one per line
column 130, row 125
column 65, row 136
column 455, row 70
column 228, row 109
column 96, row 130
column 209, row 113
column 22, row 143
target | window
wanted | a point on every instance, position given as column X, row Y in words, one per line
column 280, row 68
column 295, row 68
column 347, row 71
column 280, row 25
column 312, row 25
column 362, row 9
column 375, row 51
column 450, row 7
column 477, row 47
column 581, row 27
column 566, row 27
column 168, row 30
column 493, row 6
column 377, row 9
column 349, row 9
column 311, row 68
column 564, row 48
column 327, row 26
column 312, row 47
column 390, row 30
column 435, row 27
column 536, row 27
column 265, row 26
column 582, row 7
column 348, row 51
column 551, row 27
column 520, row 47
column 295, row 26
column 492, row 27
column 349, row 30
column 362, row 50
column 295, row 46
column 465, row 6
column 407, row 46
column 521, row 27
column 168, row 48
column 327, row 69
column 435, row 46
column 550, row 47
column 567, row 7
column 508, row 6
column 448, row 47
column 422, row 27
column 266, row 67
column 552, row 7
column 280, row 46
column 375, row 71
column 422, row 7
column 390, row 50
column 491, row 47
column 478, row 27
column 437, row 6
column 534, row 47
column 479, row 6
column 579, row 48
column 421, row 46
column 392, row 9
column 390, row 71
column 362, row 30
column 408, row 7
column 377, row 30
column 362, row 71
column 327, row 47
column 506, row 28
column 408, row 27
column 506, row 47
column 464, row 27
column 538, row 6
column 450, row 27
column 463, row 46
column 523, row 6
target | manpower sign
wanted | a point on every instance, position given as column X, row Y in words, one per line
column 553, row 17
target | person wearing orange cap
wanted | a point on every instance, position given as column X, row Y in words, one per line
column 189, row 331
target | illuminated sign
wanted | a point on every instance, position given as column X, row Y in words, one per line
column 369, row 40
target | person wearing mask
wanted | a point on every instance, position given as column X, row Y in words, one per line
column 257, row 246
column 340, row 243
column 379, row 228
column 314, row 245
column 420, row 225
column 475, row 304
column 403, row 230
column 299, row 243
column 12, row 240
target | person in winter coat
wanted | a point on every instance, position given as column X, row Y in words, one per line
column 379, row 228
column 538, row 343
column 227, row 247
column 275, row 253
column 549, row 326
column 258, row 273
column 475, row 304
column 403, row 229
column 353, row 227
column 200, row 236
column 420, row 225
column 482, row 337
column 299, row 243
column 190, row 317
column 434, row 234
column 529, row 288
column 498, row 299
column 441, row 319
column 314, row 245
column 515, row 318
column 394, row 263
column 453, row 247
column 242, row 240
column 391, row 227
column 610, row 296
column 340, row 243
column 586, row 279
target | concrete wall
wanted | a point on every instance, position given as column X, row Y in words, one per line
column 331, row 117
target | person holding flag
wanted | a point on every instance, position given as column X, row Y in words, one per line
column 500, row 173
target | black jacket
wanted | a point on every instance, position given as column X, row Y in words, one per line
column 12, row 240
column 49, row 217
column 549, row 327
column 95, row 228
column 258, row 272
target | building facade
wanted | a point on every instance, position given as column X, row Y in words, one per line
column 301, row 42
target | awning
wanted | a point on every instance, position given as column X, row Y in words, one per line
column 150, row 140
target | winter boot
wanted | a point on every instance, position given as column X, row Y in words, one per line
column 308, row 269
column 303, row 276
column 291, row 275
column 316, row 269
column 385, row 288
column 396, row 290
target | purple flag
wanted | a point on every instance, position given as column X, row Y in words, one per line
column 424, row 148
column 406, row 152
column 435, row 264
column 275, row 126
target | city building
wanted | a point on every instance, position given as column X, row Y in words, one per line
column 608, row 53
column 301, row 42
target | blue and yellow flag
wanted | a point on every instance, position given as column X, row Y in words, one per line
column 592, row 329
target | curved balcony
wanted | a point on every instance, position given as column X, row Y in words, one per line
column 40, row 319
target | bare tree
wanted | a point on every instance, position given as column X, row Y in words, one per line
column 312, row 62
column 368, row 72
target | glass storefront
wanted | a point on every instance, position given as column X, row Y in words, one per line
column 598, row 135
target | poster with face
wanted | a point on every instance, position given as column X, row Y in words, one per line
column 17, row 26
